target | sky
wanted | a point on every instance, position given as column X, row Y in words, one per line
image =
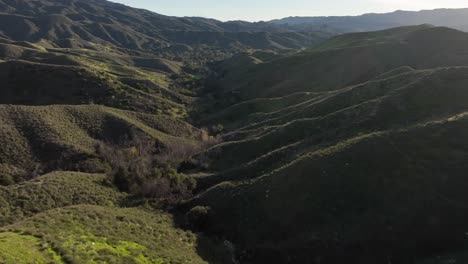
column 258, row 10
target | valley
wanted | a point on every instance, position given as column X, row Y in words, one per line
column 132, row 137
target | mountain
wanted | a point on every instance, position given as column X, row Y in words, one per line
column 128, row 136
column 453, row 18
column 82, row 23
column 351, row 151
column 360, row 56
column 87, row 84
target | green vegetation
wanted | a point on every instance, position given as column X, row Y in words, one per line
column 406, row 205
column 40, row 136
column 333, row 69
column 132, row 137
column 19, row 248
column 93, row 234
column 366, row 169
column 139, row 169
column 369, row 38
column 55, row 190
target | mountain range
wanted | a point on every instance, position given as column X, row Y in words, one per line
column 78, row 23
column 454, row 18
column 128, row 136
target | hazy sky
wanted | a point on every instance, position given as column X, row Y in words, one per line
column 255, row 10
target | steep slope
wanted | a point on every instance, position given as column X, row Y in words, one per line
column 58, row 84
column 95, row 99
column 65, row 137
column 269, row 140
column 334, row 68
column 79, row 76
column 352, row 151
column 387, row 196
column 81, row 23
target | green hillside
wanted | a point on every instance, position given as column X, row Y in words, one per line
column 369, row 38
column 55, row 190
column 384, row 195
column 89, row 225
column 332, row 69
column 94, row 132
column 94, row 234
column 348, row 152
column 65, row 137
column 104, row 76
column 132, row 137
column 390, row 103
column 82, row 24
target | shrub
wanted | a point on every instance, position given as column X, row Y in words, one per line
column 198, row 217
column 144, row 169
column 217, row 129
column 175, row 153
column 92, row 165
column 6, row 179
column 10, row 174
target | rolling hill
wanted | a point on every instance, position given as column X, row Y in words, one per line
column 315, row 69
column 128, row 136
column 81, row 84
column 79, row 233
column 351, row 151
column 83, row 23
column 394, row 195
column 65, row 137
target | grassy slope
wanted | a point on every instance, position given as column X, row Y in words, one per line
column 82, row 23
column 70, row 217
column 332, row 69
column 55, row 190
column 91, row 71
column 64, row 136
column 307, row 114
column 266, row 132
column 390, row 193
column 59, row 98
column 368, row 170
column 387, row 104
column 102, row 76
column 369, row 38
column 96, row 234
column 20, row 248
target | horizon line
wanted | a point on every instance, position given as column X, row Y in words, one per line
column 291, row 16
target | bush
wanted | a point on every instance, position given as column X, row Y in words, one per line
column 217, row 129
column 6, row 179
column 142, row 168
column 92, row 165
column 10, row 174
column 198, row 217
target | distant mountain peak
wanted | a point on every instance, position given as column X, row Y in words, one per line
column 454, row 18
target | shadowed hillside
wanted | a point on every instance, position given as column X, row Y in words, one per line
column 317, row 71
column 351, row 151
column 131, row 137
column 388, row 195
